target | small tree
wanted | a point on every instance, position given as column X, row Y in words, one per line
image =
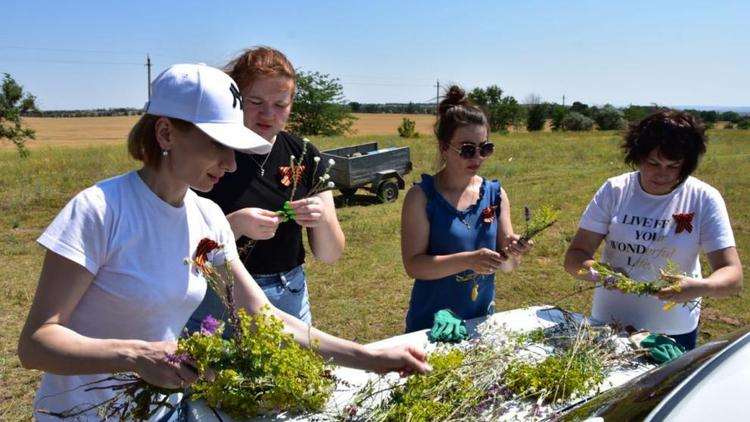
column 579, row 107
column 557, row 114
column 709, row 116
column 319, row 107
column 408, row 129
column 14, row 103
column 502, row 112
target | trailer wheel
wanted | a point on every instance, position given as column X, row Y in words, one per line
column 348, row 191
column 387, row 191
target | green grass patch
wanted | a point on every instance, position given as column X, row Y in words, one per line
column 364, row 296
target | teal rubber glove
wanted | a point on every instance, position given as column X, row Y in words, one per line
column 662, row 348
column 447, row 327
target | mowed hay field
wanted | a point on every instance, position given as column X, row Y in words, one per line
column 364, row 296
column 85, row 131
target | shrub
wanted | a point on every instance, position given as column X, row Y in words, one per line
column 729, row 125
column 636, row 113
column 577, row 122
column 408, row 129
column 536, row 117
column 557, row 114
column 609, row 118
column 731, row 116
column 744, row 124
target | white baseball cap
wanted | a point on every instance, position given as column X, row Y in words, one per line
column 208, row 98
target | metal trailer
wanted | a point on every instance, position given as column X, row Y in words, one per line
column 364, row 166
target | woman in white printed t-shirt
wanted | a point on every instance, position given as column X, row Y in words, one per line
column 114, row 292
column 654, row 214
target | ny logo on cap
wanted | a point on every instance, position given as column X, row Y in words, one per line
column 236, row 94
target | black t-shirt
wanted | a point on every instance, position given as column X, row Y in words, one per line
column 247, row 188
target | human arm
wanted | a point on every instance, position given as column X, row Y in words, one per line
column 580, row 253
column 254, row 223
column 415, row 235
column 725, row 280
column 46, row 343
column 317, row 214
column 402, row 358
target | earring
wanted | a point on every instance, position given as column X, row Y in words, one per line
column 164, row 153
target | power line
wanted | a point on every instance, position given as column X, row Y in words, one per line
column 32, row 60
column 383, row 84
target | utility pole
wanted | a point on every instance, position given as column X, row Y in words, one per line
column 437, row 96
column 148, row 81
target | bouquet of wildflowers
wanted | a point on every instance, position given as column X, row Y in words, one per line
column 259, row 370
column 603, row 275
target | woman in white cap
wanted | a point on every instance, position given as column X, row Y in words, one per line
column 114, row 292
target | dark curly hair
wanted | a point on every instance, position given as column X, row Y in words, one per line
column 456, row 110
column 676, row 134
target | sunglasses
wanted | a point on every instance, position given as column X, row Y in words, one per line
column 469, row 150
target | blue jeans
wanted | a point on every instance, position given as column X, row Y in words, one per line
column 687, row 340
column 288, row 292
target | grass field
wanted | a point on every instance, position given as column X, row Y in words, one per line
column 365, row 295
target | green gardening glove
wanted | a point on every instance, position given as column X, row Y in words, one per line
column 663, row 349
column 448, row 327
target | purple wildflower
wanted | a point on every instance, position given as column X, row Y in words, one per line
column 610, row 281
column 209, row 325
column 593, row 274
column 176, row 359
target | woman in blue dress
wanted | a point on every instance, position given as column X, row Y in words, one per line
column 456, row 230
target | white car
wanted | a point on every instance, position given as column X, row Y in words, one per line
column 709, row 383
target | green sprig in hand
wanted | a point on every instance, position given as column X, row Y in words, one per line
column 538, row 221
column 541, row 220
column 296, row 169
column 603, row 275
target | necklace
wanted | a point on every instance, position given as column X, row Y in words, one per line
column 261, row 170
column 462, row 215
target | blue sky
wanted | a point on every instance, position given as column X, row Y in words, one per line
column 91, row 54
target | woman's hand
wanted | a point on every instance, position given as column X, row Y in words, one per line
column 309, row 212
column 485, row 261
column 157, row 365
column 255, row 223
column 517, row 246
column 406, row 359
column 685, row 290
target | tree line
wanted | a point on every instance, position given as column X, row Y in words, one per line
column 320, row 109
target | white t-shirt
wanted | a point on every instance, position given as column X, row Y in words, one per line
column 642, row 233
column 135, row 245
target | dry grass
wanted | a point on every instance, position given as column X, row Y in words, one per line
column 88, row 131
column 387, row 124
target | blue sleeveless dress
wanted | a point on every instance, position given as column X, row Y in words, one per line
column 453, row 231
